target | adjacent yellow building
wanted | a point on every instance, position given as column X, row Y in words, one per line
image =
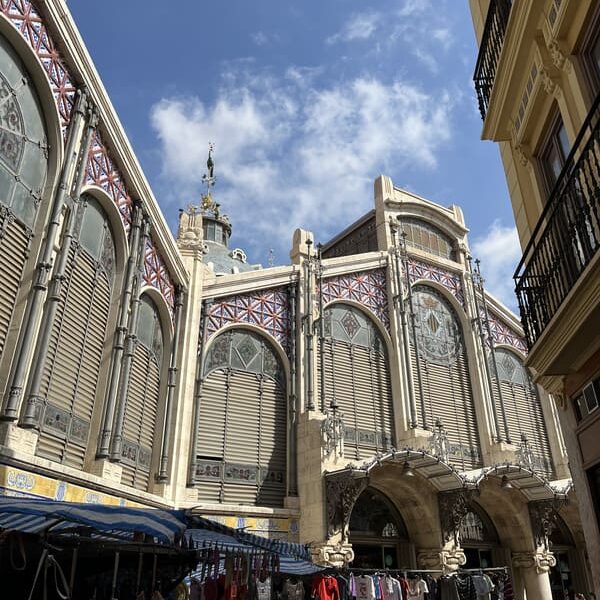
column 538, row 84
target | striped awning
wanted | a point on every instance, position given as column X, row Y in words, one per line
column 240, row 537
column 49, row 516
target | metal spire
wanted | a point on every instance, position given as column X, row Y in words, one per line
column 209, row 179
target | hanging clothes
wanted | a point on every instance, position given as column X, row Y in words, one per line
column 448, row 589
column 483, row 586
column 465, row 587
column 292, row 590
column 365, row 588
column 325, row 587
column 417, row 588
column 263, row 589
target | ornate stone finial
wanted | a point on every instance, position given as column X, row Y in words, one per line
column 439, row 444
column 540, row 560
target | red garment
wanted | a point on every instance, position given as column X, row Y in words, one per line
column 404, row 588
column 325, row 587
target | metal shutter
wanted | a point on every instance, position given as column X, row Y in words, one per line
column 358, row 378
column 70, row 378
column 13, row 254
column 448, row 397
column 139, row 423
column 242, row 439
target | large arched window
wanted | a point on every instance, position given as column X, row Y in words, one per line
column 143, row 397
column 71, row 374
column 357, row 377
column 23, row 169
column 427, row 237
column 241, row 455
column 377, row 533
column 523, row 410
column 447, row 394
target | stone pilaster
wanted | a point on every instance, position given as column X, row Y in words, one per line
column 534, row 567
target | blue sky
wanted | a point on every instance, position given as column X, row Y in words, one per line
column 306, row 102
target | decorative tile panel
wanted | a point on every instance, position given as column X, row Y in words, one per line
column 368, row 288
column 29, row 23
column 102, row 172
column 157, row 275
column 267, row 309
column 451, row 281
column 503, row 334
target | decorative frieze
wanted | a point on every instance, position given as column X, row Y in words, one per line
column 451, row 281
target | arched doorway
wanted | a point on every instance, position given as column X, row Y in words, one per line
column 378, row 534
column 479, row 540
column 567, row 576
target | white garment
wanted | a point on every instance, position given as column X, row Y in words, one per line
column 391, row 589
column 365, row 588
column 417, row 588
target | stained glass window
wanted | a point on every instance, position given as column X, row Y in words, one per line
column 373, row 515
column 510, row 368
column 244, row 351
column 349, row 324
column 424, row 236
column 149, row 331
column 440, row 338
column 23, row 145
column 95, row 235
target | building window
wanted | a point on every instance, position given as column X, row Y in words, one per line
column 590, row 55
column 554, row 152
column 588, row 401
column 242, row 422
column 23, row 145
column 356, row 372
column 426, row 237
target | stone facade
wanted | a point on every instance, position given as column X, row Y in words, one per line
column 373, row 371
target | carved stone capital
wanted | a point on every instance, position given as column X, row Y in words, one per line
column 550, row 83
column 559, row 59
column 540, row 560
column 523, row 155
column 444, row 559
column 331, row 555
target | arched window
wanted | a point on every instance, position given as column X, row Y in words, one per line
column 427, row 237
column 143, row 397
column 357, row 377
column 479, row 540
column 523, row 410
column 377, row 533
column 74, row 362
column 23, row 170
column 242, row 435
column 447, row 394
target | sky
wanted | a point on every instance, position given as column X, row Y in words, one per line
column 306, row 103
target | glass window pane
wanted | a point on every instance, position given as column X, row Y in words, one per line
column 91, row 236
column 563, row 141
column 23, row 205
column 33, row 166
column 7, row 183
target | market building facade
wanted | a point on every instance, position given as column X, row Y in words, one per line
column 538, row 85
column 370, row 398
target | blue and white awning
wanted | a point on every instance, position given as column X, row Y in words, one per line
column 41, row 516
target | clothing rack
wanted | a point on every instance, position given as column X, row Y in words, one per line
column 380, row 571
column 483, row 570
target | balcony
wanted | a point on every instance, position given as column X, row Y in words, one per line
column 492, row 41
column 567, row 235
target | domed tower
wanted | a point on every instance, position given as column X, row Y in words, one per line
column 212, row 229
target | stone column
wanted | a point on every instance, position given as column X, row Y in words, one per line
column 533, row 567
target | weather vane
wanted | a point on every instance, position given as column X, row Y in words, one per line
column 208, row 179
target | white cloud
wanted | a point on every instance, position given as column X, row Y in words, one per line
column 413, row 7
column 291, row 154
column 499, row 251
column 444, row 36
column 261, row 38
column 360, row 26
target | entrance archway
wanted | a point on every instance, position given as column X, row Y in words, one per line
column 378, row 534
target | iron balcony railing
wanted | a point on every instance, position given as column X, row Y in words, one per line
column 489, row 51
column 567, row 235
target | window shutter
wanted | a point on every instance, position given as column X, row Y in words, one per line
column 70, row 378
